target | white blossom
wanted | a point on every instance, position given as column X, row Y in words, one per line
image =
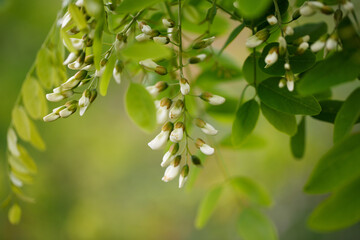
column 176, row 110
column 142, row 37
column 178, row 132
column 331, row 44
column 204, row 148
column 70, row 58
column 16, row 181
column 317, row 46
column 271, row 19
column 271, row 57
column 289, row 31
column 160, row 140
column 184, row 86
column 84, row 102
column 172, row 170
column 51, row 117
column 170, row 155
column 212, row 99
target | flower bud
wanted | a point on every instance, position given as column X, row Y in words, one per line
column 56, row 97
column 271, row 19
column 302, row 48
column 203, row 43
column 144, row 27
column 71, row 83
column 93, row 95
column 51, row 117
column 77, row 43
column 327, row 10
column 119, row 66
column 331, row 42
column 176, row 110
column 288, row 31
column 142, row 37
column 287, row 66
column 318, row 45
column 161, row 40
column 212, row 99
column 315, row 4
column 183, row 175
column 296, row 15
column 168, row 23
column 160, row 140
column 71, row 107
column 197, row 59
column 282, row 46
column 204, row 148
column 66, row 20
column 184, row 86
column 162, row 112
column 178, row 132
column 157, row 88
column 271, row 57
column 120, row 42
column 205, row 127
column 258, row 38
column 152, row 66
column 172, row 170
column 290, row 80
column 306, row 10
column 170, row 155
column 161, row 70
column 195, row 160
column 347, row 5
column 84, row 101
column 173, row 34
column 71, row 58
column 282, row 83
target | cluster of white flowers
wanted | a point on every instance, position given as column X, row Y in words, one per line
column 309, row 8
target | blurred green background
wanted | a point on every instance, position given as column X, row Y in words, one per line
column 99, row 180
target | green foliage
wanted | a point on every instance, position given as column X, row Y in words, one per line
column 253, row 225
column 253, row 9
column 314, row 30
column 34, row 98
column 297, row 142
column 207, row 206
column 145, row 50
column 14, row 214
column 284, row 101
column 78, row 17
column 132, row 6
column 245, row 121
column 107, row 74
column 339, row 166
column 140, row 107
column 248, row 69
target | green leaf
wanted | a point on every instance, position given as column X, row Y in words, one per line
column 232, row 36
column 340, row 210
column 251, row 191
column 339, row 68
column 253, row 9
column 207, row 206
column 281, row 121
column 339, row 166
column 298, row 63
column 245, row 121
column 252, row 142
column 284, row 101
column 297, row 142
column 145, row 50
column 329, row 110
column 34, row 98
column 14, row 214
column 97, row 43
column 218, row 27
column 44, row 67
column 253, row 225
column 248, row 70
column 35, row 138
column 21, row 122
column 78, row 17
column 347, row 116
column 67, row 40
column 106, row 76
column 127, row 6
column 314, row 30
column 23, row 164
column 140, row 107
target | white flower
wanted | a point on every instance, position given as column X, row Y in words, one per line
column 142, row 37
column 348, row 6
column 184, row 86
column 302, row 47
column 258, row 38
column 306, row 10
column 183, row 175
column 148, row 64
column 162, row 112
column 331, row 43
column 271, row 57
column 77, row 43
column 79, row 3
column 66, row 20
column 161, row 40
column 289, row 31
column 205, row 127
column 51, row 117
column 178, row 132
column 317, row 46
column 12, row 142
column 172, row 170
column 282, row 45
column 204, row 148
column 282, row 83
column 55, row 97
column 84, row 101
column 271, row 19
column 160, row 140
column 16, row 181
column 117, row 76
column 168, row 23
column 290, row 85
column 71, row 58
column 176, row 110
column 145, row 28
column 170, row 155
column 65, row 113
column 315, row 4
column 157, row 88
column 212, row 99
column 290, row 80
column 287, row 66
column 70, row 83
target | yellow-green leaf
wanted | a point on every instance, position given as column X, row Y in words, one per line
column 144, row 50
column 14, row 214
column 106, row 76
column 34, row 98
column 44, row 67
column 27, row 161
column 78, row 17
column 21, row 122
column 35, row 138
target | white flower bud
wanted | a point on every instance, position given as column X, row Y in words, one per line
column 162, row 112
column 176, row 110
column 178, row 132
column 79, row 3
column 290, row 80
column 16, row 181
column 302, row 47
column 204, row 148
column 183, row 175
column 203, row 43
column 117, row 71
column 12, row 142
column 289, row 31
column 197, row 59
column 282, row 83
column 331, row 43
column 271, row 19
column 271, row 57
column 205, row 127
column 157, row 88
column 55, row 97
column 84, row 101
column 306, row 10
column 212, row 99
column 71, row 83
column 282, row 45
column 315, row 4
column 148, row 64
column 51, row 117
column 258, row 38
column 71, row 107
column 77, row 43
column 160, row 140
column 66, row 20
column 184, row 86
column 287, row 66
column 348, row 6
column 142, row 37
column 170, row 155
column 318, row 45
column 161, row 40
column 145, row 28
column 71, row 58
column 168, row 23
column 172, row 170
